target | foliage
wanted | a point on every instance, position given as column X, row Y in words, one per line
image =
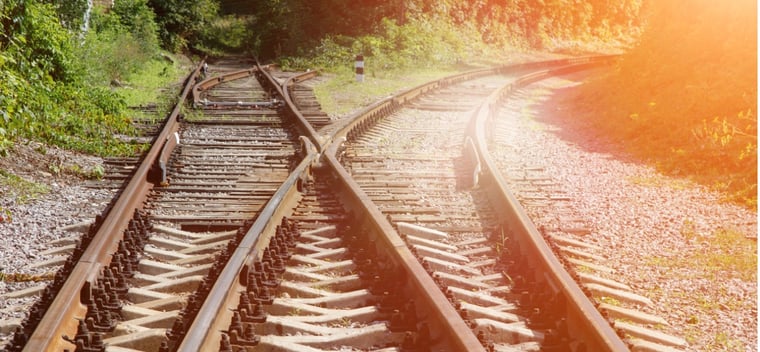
column 225, row 34
column 45, row 94
column 120, row 42
column 288, row 27
column 423, row 42
column 695, row 114
column 70, row 12
column 139, row 20
column 181, row 22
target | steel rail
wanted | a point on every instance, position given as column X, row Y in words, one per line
column 61, row 315
column 211, row 82
column 429, row 295
column 313, row 136
column 599, row 330
column 586, row 319
column 302, row 123
column 196, row 336
column 200, row 336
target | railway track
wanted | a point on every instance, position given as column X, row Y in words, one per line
column 411, row 165
column 251, row 235
column 547, row 201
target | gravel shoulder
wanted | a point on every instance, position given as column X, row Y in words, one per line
column 672, row 240
column 53, row 196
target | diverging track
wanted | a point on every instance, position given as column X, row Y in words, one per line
column 251, row 235
column 418, row 169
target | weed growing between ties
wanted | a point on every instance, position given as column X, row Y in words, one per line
column 16, row 277
column 726, row 253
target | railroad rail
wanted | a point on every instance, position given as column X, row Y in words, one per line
column 298, row 247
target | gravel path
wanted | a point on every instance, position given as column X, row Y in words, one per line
column 668, row 238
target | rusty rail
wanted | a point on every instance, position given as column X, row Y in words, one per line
column 428, row 294
column 47, row 336
column 593, row 325
column 62, row 314
column 200, row 336
column 587, row 320
column 303, row 125
column 211, row 82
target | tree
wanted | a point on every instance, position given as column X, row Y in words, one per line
column 181, row 22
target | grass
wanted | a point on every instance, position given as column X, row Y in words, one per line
column 20, row 189
column 16, row 277
column 721, row 341
column 727, row 254
column 659, row 181
column 340, row 94
column 610, row 301
column 685, row 99
column 149, row 85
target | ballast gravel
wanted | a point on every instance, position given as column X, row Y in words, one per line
column 660, row 234
column 29, row 222
column 647, row 224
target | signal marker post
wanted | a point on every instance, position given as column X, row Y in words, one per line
column 359, row 68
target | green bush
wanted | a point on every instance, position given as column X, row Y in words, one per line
column 225, row 34
column 46, row 93
column 421, row 42
column 695, row 113
column 182, row 22
column 139, row 20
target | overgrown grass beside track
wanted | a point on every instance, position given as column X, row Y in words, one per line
column 685, row 99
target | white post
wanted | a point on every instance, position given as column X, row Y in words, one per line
column 359, row 68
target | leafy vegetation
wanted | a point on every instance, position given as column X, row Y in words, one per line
column 695, row 113
column 291, row 27
column 45, row 95
column 71, row 71
column 418, row 38
column 62, row 72
column 182, row 23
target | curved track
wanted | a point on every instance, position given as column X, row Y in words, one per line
column 253, row 238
